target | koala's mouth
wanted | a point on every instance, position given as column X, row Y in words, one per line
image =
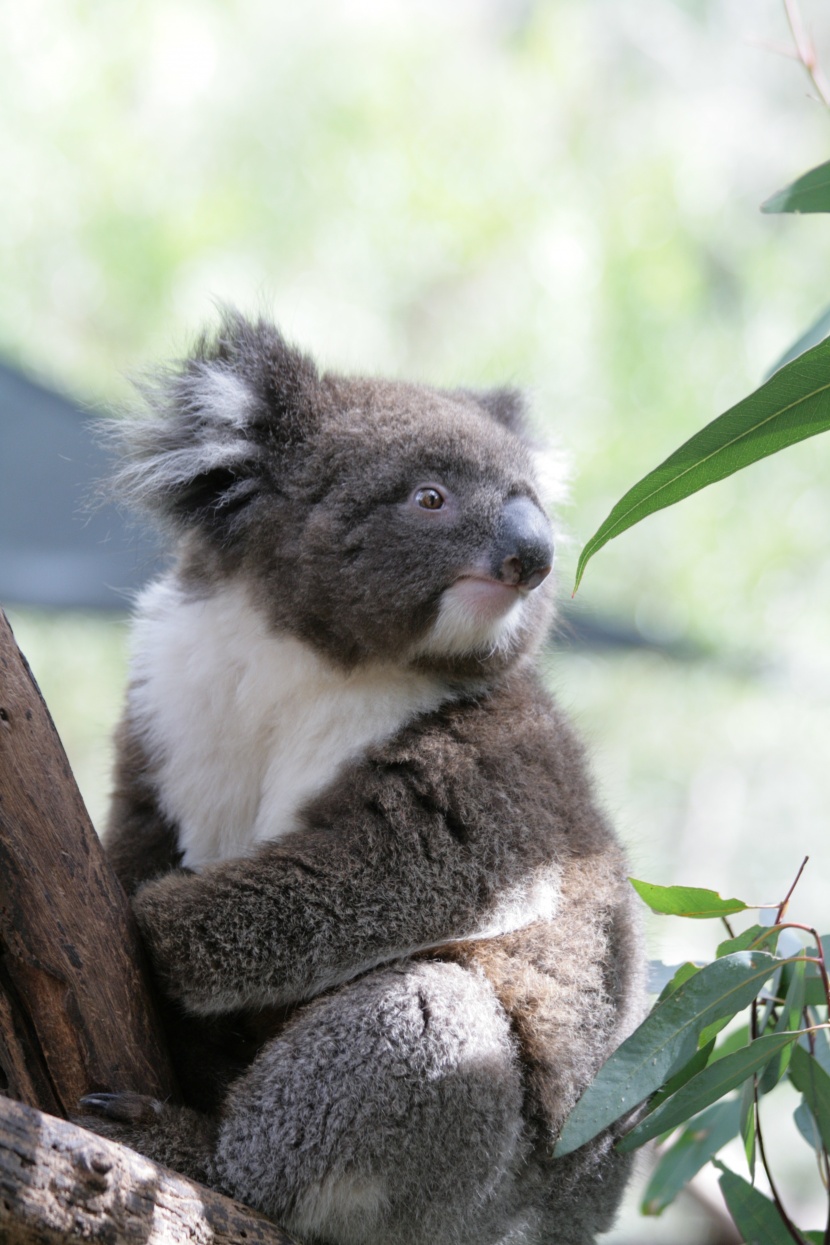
column 486, row 597
column 477, row 614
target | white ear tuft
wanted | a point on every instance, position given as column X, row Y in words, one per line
column 222, row 396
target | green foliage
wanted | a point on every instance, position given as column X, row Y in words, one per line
column 808, row 1076
column 691, row 901
column 708, row 1086
column 682, row 1075
column 697, row 1144
column 673, row 1066
column 665, row 1042
column 756, row 1217
column 792, row 405
column 809, row 193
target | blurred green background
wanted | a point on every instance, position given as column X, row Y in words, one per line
column 561, row 194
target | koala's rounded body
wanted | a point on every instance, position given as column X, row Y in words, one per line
column 390, row 925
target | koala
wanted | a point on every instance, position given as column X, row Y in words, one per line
column 390, row 926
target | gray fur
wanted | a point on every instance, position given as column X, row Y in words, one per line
column 370, row 1051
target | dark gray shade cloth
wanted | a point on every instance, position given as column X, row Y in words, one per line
column 58, row 546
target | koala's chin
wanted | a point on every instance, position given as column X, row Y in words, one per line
column 390, row 925
column 477, row 616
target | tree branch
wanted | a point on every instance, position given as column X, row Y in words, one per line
column 61, row 1184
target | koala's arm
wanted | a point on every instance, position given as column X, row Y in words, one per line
column 379, row 872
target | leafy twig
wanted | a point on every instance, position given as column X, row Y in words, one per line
column 783, row 905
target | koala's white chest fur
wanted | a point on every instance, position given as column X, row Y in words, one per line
column 243, row 725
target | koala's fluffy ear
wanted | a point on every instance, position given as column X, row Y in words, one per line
column 200, row 459
column 506, row 406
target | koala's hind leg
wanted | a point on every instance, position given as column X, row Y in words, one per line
column 389, row 1111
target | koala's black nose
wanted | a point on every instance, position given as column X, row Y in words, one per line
column 523, row 549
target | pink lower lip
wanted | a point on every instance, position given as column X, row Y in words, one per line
column 489, row 596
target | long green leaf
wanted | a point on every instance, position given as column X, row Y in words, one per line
column 821, row 1052
column 665, row 1041
column 816, row 996
column 748, row 1114
column 682, row 972
column 789, row 1018
column 806, row 1124
column 705, row 1088
column 707, row 1133
column 808, row 193
column 792, row 405
column 756, row 935
column 808, row 1076
column 690, row 901
column 756, row 1217
column 733, row 1041
column 696, row 1064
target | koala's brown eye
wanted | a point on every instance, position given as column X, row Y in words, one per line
column 429, row 498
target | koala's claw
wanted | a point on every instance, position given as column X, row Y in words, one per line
column 127, row 1107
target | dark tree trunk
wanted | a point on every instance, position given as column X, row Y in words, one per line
column 76, row 1015
column 75, row 1011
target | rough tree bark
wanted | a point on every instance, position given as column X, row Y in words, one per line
column 76, row 1014
column 60, row 1183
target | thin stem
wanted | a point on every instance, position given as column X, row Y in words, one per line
column 783, row 906
column 806, row 54
column 730, row 931
column 779, row 1205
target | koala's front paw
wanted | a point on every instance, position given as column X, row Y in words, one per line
column 126, row 1107
column 165, row 911
column 125, row 1117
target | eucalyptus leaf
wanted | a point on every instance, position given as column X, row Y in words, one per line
column 792, row 405
column 790, row 1018
column 689, row 901
column 706, row 1134
column 733, row 1041
column 811, row 1080
column 756, row 1217
column 665, row 1041
column 808, row 193
column 821, row 1049
column 756, row 935
column 712, row 1030
column 705, row 1088
column 806, row 1124
column 681, row 973
column 696, row 1064
column 747, row 1105
column 815, row 995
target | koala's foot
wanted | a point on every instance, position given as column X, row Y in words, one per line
column 173, row 1136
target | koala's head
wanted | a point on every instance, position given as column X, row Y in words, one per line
column 373, row 519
